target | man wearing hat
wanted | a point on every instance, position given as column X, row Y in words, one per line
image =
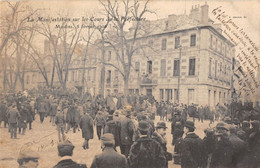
column 100, row 122
column 109, row 158
column 126, row 128
column 145, row 151
column 192, row 149
column 60, row 122
column 13, row 116
column 65, row 151
column 159, row 136
column 223, row 153
column 3, row 112
column 86, row 125
column 28, row 159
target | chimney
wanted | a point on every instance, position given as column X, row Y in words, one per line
column 204, row 14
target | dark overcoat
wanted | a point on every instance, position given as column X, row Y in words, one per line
column 68, row 163
column 109, row 158
column 86, row 125
column 126, row 131
column 192, row 152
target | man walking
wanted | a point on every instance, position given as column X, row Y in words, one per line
column 86, row 125
column 126, row 133
column 60, row 122
column 100, row 123
column 13, row 116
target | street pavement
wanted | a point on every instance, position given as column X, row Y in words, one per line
column 43, row 138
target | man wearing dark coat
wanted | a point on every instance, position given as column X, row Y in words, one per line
column 72, row 118
column 146, row 152
column 31, row 114
column 192, row 149
column 3, row 112
column 42, row 110
column 109, row 158
column 13, row 116
column 223, row 152
column 159, row 136
column 53, row 111
column 65, row 150
column 100, row 122
column 113, row 128
column 22, row 122
column 86, row 125
column 126, row 133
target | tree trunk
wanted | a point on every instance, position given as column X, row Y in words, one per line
column 126, row 79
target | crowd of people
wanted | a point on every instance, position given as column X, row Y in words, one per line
column 128, row 123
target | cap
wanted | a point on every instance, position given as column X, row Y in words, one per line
column 108, row 139
column 222, row 126
column 189, row 124
column 161, row 124
column 227, row 120
column 143, row 126
column 65, row 148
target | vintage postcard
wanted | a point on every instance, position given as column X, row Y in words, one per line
column 129, row 83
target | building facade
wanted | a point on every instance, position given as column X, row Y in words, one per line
column 185, row 59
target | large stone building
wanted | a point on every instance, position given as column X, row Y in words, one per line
column 186, row 53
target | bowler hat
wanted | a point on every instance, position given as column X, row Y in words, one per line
column 108, row 139
column 189, row 124
column 161, row 124
column 143, row 126
column 65, row 148
column 222, row 126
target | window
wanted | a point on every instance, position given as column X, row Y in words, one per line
column 164, row 42
column 210, row 62
column 108, row 77
column 72, row 76
column 211, row 40
column 150, row 43
column 89, row 77
column 149, row 67
column 224, row 96
column 137, row 91
column 209, row 98
column 220, row 68
column 163, row 67
column 176, row 68
column 193, row 40
column 216, row 67
column 192, row 67
column 109, row 56
column 176, row 96
column 161, row 94
column 219, row 99
column 116, row 75
column 27, row 79
column 177, row 42
column 131, row 91
column 214, row 98
column 94, row 74
column 168, row 94
column 190, row 96
column 137, row 66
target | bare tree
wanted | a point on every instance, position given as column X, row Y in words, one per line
column 122, row 42
column 14, row 27
column 63, row 42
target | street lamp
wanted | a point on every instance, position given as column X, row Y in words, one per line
column 179, row 77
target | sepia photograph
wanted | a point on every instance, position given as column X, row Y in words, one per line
column 129, row 83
